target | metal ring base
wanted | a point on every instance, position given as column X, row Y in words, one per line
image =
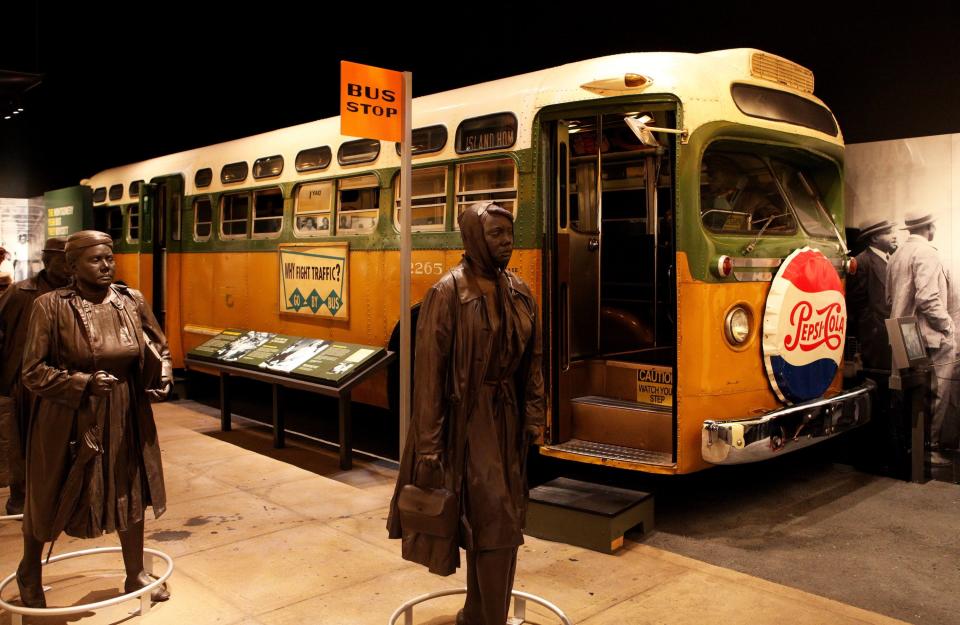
column 519, row 617
column 18, row 611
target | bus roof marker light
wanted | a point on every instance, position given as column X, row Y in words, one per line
column 644, row 132
column 630, row 82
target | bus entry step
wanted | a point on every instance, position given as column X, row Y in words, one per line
column 587, row 515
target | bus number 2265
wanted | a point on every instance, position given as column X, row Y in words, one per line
column 426, row 269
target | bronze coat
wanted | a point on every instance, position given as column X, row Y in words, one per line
column 15, row 307
column 61, row 399
column 14, row 316
column 453, row 351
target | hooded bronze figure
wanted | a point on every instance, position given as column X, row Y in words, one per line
column 478, row 401
column 93, row 460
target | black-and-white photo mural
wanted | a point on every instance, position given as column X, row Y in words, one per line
column 902, row 198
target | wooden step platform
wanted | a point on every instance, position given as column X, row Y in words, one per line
column 587, row 515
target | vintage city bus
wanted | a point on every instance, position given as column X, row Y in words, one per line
column 659, row 197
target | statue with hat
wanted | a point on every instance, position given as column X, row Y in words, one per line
column 93, row 459
column 867, row 293
column 15, row 306
column 919, row 285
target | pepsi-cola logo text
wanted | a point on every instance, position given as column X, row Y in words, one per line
column 804, row 326
column 811, row 331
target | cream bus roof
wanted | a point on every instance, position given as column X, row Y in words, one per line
column 700, row 81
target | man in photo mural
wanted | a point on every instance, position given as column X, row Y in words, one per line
column 478, row 402
column 15, row 307
column 867, row 294
column 868, row 311
column 918, row 285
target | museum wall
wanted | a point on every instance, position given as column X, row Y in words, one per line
column 887, row 179
column 22, row 233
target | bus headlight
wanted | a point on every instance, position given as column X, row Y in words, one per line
column 737, row 326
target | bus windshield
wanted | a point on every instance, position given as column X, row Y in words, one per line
column 804, row 198
column 748, row 193
column 738, row 195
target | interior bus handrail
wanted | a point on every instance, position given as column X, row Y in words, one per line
column 564, row 327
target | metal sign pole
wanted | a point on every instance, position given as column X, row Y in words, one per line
column 405, row 262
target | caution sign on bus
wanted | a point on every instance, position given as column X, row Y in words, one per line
column 371, row 102
column 655, row 385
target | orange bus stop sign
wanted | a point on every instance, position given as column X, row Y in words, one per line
column 371, row 102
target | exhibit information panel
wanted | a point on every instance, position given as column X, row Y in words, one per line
column 211, row 349
column 67, row 210
column 318, row 360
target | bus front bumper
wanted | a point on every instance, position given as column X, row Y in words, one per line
column 786, row 429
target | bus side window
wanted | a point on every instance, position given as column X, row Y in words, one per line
column 586, row 143
column 234, row 213
column 267, row 212
column 202, row 219
column 312, row 209
column 494, row 180
column 101, row 218
column 428, row 197
column 109, row 219
column 133, row 223
column 358, row 204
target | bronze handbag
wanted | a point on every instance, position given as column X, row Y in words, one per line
column 431, row 511
column 152, row 366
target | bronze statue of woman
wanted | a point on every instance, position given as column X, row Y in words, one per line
column 93, row 460
column 478, row 401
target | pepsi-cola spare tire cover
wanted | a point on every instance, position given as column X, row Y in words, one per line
column 804, row 326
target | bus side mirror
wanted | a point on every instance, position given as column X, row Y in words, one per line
column 644, row 132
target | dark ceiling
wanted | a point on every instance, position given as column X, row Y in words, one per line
column 119, row 87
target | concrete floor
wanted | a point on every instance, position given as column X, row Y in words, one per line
column 283, row 536
column 878, row 543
